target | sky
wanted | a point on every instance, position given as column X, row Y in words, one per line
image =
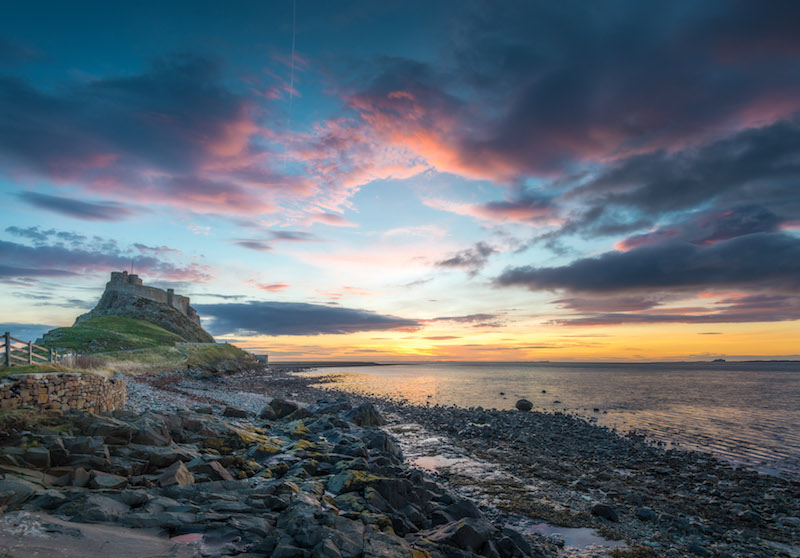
column 604, row 180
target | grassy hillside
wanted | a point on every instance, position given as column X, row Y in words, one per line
column 219, row 357
column 109, row 333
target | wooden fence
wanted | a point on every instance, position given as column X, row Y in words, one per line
column 17, row 351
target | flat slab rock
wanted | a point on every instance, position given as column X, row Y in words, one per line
column 38, row 535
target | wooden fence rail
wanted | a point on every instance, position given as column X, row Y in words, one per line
column 24, row 352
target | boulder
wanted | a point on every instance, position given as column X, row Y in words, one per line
column 605, row 511
column 365, row 415
column 166, row 456
column 524, row 405
column 103, row 480
column 15, row 492
column 213, row 469
column 152, row 433
column 466, row 534
column 234, row 412
column 176, row 474
column 282, row 407
column 97, row 508
column 386, row 445
column 38, row 457
column 81, row 477
column 268, row 413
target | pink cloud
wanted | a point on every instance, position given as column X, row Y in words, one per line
column 653, row 237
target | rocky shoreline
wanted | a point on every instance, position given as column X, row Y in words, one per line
column 231, row 465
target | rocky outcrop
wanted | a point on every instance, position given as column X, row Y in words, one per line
column 118, row 303
column 320, row 485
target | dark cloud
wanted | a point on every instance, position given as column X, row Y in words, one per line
column 472, row 259
column 751, row 308
column 87, row 211
column 295, row 318
column 257, row 245
column 770, row 259
column 611, row 303
column 294, row 236
column 756, row 164
column 264, row 244
column 533, row 88
column 50, row 258
column 467, row 319
column 150, row 136
column 710, row 227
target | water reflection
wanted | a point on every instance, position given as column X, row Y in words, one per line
column 747, row 413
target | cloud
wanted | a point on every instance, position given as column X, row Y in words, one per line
column 295, row 318
column 264, row 244
column 87, row 211
column 763, row 160
column 534, row 89
column 709, row 227
column 257, row 245
column 173, row 135
column 768, row 259
column 51, row 258
column 469, row 318
column 750, row 308
column 43, row 236
column 272, row 287
column 523, row 207
column 472, row 259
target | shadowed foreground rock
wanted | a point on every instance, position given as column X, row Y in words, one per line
column 320, row 481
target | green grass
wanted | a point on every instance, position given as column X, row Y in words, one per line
column 200, row 353
column 196, row 355
column 110, row 333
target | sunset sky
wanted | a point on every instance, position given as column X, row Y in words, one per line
column 400, row 180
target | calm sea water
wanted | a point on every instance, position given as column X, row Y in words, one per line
column 748, row 413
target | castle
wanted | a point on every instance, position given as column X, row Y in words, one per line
column 130, row 284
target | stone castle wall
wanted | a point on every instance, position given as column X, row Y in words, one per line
column 131, row 284
column 61, row 392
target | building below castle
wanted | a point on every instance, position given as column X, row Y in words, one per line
column 130, row 284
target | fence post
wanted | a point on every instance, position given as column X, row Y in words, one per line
column 50, row 358
column 30, row 353
column 8, row 348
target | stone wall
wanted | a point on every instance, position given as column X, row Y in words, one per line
column 85, row 392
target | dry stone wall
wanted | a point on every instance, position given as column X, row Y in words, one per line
column 85, row 392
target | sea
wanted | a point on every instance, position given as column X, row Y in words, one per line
column 745, row 412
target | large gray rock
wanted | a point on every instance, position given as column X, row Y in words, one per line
column 176, row 474
column 213, row 469
column 164, row 457
column 365, row 415
column 524, row 405
column 386, row 445
column 38, row 457
column 103, row 480
column 152, row 433
column 605, row 511
column 234, row 412
column 97, row 508
column 282, row 407
column 466, row 534
column 15, row 492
